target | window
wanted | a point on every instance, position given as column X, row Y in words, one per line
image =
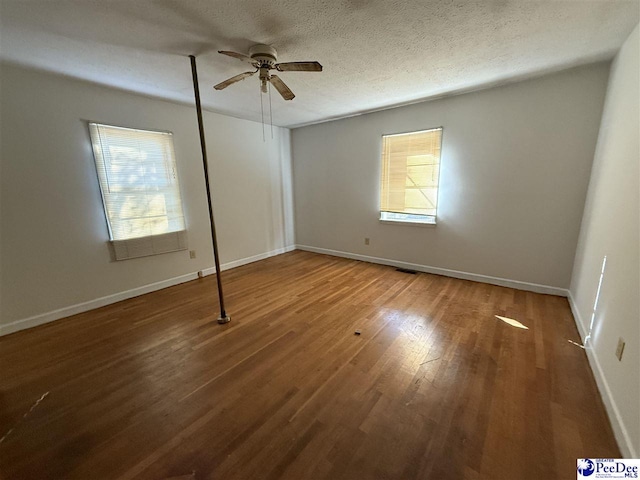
column 410, row 173
column 139, row 184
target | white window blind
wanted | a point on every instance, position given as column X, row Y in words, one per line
column 410, row 176
column 139, row 184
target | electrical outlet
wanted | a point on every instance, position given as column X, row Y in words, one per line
column 366, row 241
column 192, row 254
column 620, row 349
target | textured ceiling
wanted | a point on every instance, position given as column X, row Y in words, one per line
column 375, row 53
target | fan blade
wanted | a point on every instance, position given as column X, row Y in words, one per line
column 239, row 56
column 232, row 80
column 282, row 88
column 299, row 67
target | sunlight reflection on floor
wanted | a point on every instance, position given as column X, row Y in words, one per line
column 512, row 322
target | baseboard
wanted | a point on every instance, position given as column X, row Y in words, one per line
column 619, row 430
column 47, row 317
column 582, row 329
column 503, row 282
column 91, row 304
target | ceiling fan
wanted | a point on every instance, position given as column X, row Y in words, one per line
column 264, row 58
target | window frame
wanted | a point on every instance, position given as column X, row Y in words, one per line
column 155, row 243
column 410, row 219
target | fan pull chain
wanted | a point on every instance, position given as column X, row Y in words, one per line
column 261, row 111
column 270, row 112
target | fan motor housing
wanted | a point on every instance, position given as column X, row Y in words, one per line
column 264, row 54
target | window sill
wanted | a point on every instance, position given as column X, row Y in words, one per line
column 428, row 224
column 147, row 246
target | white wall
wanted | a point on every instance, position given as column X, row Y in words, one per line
column 611, row 228
column 54, row 252
column 515, row 167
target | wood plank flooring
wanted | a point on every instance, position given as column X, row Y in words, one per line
column 435, row 387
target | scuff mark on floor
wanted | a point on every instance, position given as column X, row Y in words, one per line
column 189, row 476
column 24, row 416
column 429, row 361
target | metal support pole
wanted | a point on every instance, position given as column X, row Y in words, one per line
column 223, row 318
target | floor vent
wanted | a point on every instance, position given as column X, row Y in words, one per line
column 406, row 270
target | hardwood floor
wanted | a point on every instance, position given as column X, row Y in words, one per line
column 435, row 387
